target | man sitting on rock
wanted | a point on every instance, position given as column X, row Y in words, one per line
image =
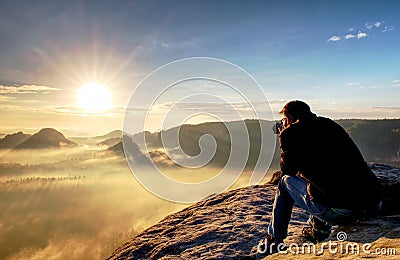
column 324, row 173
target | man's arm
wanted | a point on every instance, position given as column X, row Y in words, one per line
column 288, row 159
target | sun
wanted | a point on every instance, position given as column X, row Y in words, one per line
column 94, row 98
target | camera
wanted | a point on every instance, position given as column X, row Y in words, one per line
column 277, row 127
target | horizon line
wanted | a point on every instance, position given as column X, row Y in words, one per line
column 83, row 135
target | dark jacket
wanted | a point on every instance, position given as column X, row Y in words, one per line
column 320, row 150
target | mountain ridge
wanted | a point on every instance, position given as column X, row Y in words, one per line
column 378, row 140
column 112, row 134
column 45, row 138
column 13, row 140
column 109, row 141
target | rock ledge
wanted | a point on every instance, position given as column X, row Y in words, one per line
column 230, row 225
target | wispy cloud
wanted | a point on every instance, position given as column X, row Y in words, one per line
column 376, row 24
column 349, row 36
column 372, row 27
column 352, row 84
column 76, row 110
column 6, row 98
column 25, row 89
column 361, row 35
column 359, row 112
column 334, row 38
column 396, row 83
column 170, row 44
column 388, row 29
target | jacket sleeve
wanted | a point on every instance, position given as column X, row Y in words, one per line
column 288, row 158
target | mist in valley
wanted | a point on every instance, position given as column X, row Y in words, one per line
column 77, row 203
column 82, row 202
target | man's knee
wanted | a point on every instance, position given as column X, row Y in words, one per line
column 289, row 182
column 284, row 181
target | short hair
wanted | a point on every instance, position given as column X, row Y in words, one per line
column 296, row 109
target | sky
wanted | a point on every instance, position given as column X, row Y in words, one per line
column 342, row 57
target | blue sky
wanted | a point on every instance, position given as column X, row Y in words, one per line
column 340, row 56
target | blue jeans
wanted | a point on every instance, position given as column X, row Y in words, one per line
column 293, row 189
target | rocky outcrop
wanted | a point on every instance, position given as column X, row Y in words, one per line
column 390, row 179
column 231, row 224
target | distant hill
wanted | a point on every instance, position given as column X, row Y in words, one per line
column 153, row 140
column 118, row 148
column 96, row 140
column 378, row 140
column 134, row 153
column 45, row 138
column 110, row 142
column 112, row 134
column 189, row 136
column 13, row 140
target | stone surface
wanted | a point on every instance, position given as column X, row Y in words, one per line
column 231, row 224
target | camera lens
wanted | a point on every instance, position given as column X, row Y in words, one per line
column 276, row 128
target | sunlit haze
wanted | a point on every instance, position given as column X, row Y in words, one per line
column 342, row 62
column 116, row 114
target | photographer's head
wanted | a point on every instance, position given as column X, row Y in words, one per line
column 292, row 112
column 296, row 110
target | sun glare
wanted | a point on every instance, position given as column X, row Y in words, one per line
column 94, row 98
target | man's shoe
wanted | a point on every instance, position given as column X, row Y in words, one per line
column 313, row 235
column 270, row 245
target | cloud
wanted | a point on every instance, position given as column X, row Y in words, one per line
column 76, row 110
column 376, row 24
column 361, row 35
column 352, row 84
column 6, row 98
column 359, row 112
column 211, row 110
column 171, row 44
column 396, row 81
column 370, row 26
column 349, row 36
column 388, row 29
column 25, row 89
column 334, row 38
